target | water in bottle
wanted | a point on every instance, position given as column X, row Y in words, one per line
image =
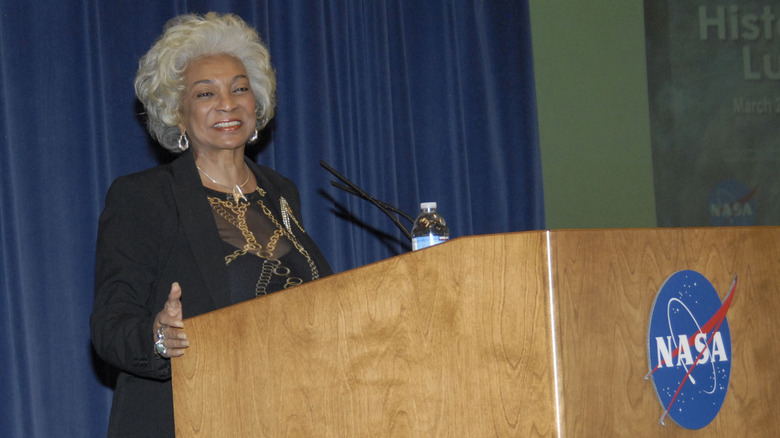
column 429, row 227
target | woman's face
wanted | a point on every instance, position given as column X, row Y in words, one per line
column 217, row 107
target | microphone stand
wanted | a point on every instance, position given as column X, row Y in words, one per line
column 385, row 205
column 353, row 189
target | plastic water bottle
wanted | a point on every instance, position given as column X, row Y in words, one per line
column 429, row 227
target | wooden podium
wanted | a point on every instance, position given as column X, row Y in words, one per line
column 513, row 335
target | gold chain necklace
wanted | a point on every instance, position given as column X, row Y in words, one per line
column 271, row 266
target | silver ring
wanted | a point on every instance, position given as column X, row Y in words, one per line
column 159, row 346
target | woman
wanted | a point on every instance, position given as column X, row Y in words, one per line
column 208, row 230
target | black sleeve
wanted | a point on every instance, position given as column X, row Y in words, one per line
column 131, row 241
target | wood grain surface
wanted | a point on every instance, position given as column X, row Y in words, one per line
column 448, row 341
column 605, row 284
column 458, row 341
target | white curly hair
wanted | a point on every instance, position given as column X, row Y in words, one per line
column 159, row 81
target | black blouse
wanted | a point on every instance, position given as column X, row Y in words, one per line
column 276, row 265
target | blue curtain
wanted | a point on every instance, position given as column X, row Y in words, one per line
column 413, row 100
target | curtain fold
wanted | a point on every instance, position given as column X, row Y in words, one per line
column 413, row 101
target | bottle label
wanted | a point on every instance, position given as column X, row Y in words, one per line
column 426, row 241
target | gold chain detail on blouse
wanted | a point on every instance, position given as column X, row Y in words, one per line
column 271, row 266
column 314, row 272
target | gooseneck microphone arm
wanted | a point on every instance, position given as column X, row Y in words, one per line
column 353, row 189
column 389, row 207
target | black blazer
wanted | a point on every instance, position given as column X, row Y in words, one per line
column 158, row 228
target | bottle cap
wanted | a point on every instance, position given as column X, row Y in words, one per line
column 427, row 205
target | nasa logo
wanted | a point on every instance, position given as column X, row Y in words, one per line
column 689, row 349
column 731, row 204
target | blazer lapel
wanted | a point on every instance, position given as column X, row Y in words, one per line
column 201, row 230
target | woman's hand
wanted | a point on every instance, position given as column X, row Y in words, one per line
column 169, row 327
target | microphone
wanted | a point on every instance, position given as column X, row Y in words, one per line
column 353, row 189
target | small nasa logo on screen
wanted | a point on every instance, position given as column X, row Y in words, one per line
column 689, row 349
column 732, row 204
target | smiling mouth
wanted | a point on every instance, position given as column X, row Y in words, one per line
column 232, row 124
